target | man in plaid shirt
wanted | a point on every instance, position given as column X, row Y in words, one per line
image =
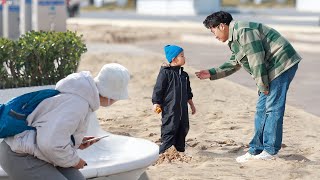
column 272, row 62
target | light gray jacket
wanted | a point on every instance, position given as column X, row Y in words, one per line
column 56, row 119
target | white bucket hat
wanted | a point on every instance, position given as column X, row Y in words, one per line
column 112, row 81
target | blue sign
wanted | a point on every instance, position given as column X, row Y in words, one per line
column 50, row 3
column 14, row 8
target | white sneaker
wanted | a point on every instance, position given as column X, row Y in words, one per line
column 264, row 155
column 244, row 158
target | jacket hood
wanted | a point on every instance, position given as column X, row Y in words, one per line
column 83, row 85
column 175, row 68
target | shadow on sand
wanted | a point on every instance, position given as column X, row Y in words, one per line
column 294, row 157
column 144, row 176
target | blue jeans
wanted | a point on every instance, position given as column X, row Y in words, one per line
column 269, row 115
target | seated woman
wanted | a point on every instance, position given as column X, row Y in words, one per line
column 61, row 123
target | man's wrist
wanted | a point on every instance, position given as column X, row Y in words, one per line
column 212, row 71
column 263, row 89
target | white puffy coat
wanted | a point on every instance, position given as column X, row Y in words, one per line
column 56, row 119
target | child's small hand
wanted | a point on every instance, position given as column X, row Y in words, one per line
column 156, row 108
column 193, row 109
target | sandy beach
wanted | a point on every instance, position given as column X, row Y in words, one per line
column 224, row 122
column 219, row 131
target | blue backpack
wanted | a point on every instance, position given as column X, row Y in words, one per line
column 14, row 113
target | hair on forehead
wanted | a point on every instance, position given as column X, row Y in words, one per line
column 217, row 18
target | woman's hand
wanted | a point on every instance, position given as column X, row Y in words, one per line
column 87, row 144
column 80, row 164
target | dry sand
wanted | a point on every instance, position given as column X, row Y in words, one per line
column 219, row 131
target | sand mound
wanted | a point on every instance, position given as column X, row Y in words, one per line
column 172, row 155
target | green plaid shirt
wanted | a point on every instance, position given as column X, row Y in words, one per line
column 260, row 50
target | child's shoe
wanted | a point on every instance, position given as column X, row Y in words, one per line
column 264, row 155
column 244, row 158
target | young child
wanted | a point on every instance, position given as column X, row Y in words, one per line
column 171, row 95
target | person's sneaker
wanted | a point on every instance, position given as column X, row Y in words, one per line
column 264, row 155
column 244, row 158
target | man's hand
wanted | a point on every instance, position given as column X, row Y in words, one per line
column 203, row 74
column 80, row 164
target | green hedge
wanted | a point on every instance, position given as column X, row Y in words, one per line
column 39, row 58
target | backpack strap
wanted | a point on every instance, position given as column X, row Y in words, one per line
column 1, row 107
column 40, row 96
column 17, row 115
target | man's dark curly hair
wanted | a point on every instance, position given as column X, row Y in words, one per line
column 216, row 18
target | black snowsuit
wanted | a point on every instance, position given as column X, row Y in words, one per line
column 172, row 91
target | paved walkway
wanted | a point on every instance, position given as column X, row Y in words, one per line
column 283, row 16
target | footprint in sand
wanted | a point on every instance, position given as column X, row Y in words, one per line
column 192, row 144
column 122, row 133
column 228, row 142
column 126, row 126
column 152, row 134
column 105, row 120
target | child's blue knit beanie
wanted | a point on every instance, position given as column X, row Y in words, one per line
column 172, row 51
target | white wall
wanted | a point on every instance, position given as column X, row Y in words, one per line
column 177, row 7
column 25, row 16
column 207, row 6
column 10, row 21
column 308, row 5
column 1, row 23
column 49, row 15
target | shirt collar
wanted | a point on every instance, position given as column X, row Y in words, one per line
column 231, row 28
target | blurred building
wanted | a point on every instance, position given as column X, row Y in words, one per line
column 177, row 7
column 19, row 16
column 308, row 5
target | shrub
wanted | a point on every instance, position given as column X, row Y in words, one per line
column 39, row 58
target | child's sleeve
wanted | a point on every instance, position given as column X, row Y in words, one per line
column 160, row 88
column 189, row 90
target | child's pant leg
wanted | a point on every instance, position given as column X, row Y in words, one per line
column 168, row 133
column 181, row 134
